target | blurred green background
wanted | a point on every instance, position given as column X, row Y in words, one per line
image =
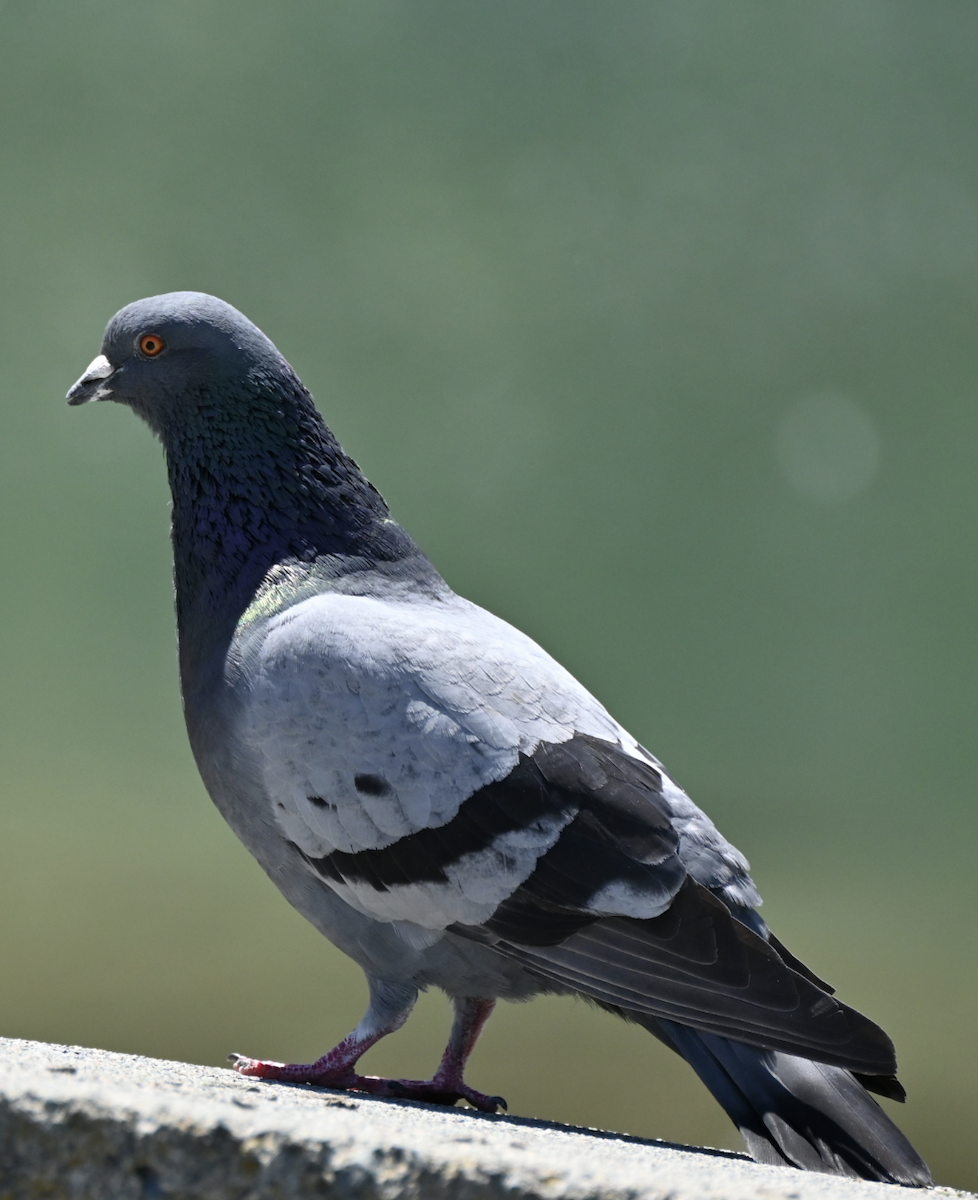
column 655, row 323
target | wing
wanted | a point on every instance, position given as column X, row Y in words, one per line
column 424, row 756
column 435, row 767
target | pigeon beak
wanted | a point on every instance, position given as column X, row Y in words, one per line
column 91, row 386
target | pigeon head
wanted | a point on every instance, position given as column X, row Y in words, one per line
column 162, row 354
column 257, row 478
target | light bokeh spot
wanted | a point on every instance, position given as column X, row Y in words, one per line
column 827, row 447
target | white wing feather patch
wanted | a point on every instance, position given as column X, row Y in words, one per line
column 477, row 883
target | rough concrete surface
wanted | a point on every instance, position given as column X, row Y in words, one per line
column 86, row 1124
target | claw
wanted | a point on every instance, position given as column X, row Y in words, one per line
column 487, row 1104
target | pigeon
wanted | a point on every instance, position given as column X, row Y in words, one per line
column 438, row 796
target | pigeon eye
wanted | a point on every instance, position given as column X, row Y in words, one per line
column 151, row 344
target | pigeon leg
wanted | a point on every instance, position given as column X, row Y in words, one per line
column 447, row 1085
column 390, row 1006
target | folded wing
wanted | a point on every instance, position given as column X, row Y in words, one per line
column 435, row 766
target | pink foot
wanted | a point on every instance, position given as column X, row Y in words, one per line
column 446, row 1089
column 323, row 1073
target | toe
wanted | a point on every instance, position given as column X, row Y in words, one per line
column 487, row 1104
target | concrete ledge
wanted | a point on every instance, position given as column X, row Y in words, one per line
column 89, row 1124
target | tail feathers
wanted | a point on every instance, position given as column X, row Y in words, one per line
column 798, row 1113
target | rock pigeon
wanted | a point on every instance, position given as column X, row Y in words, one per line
column 438, row 796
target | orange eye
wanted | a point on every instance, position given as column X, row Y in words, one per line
column 151, row 344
